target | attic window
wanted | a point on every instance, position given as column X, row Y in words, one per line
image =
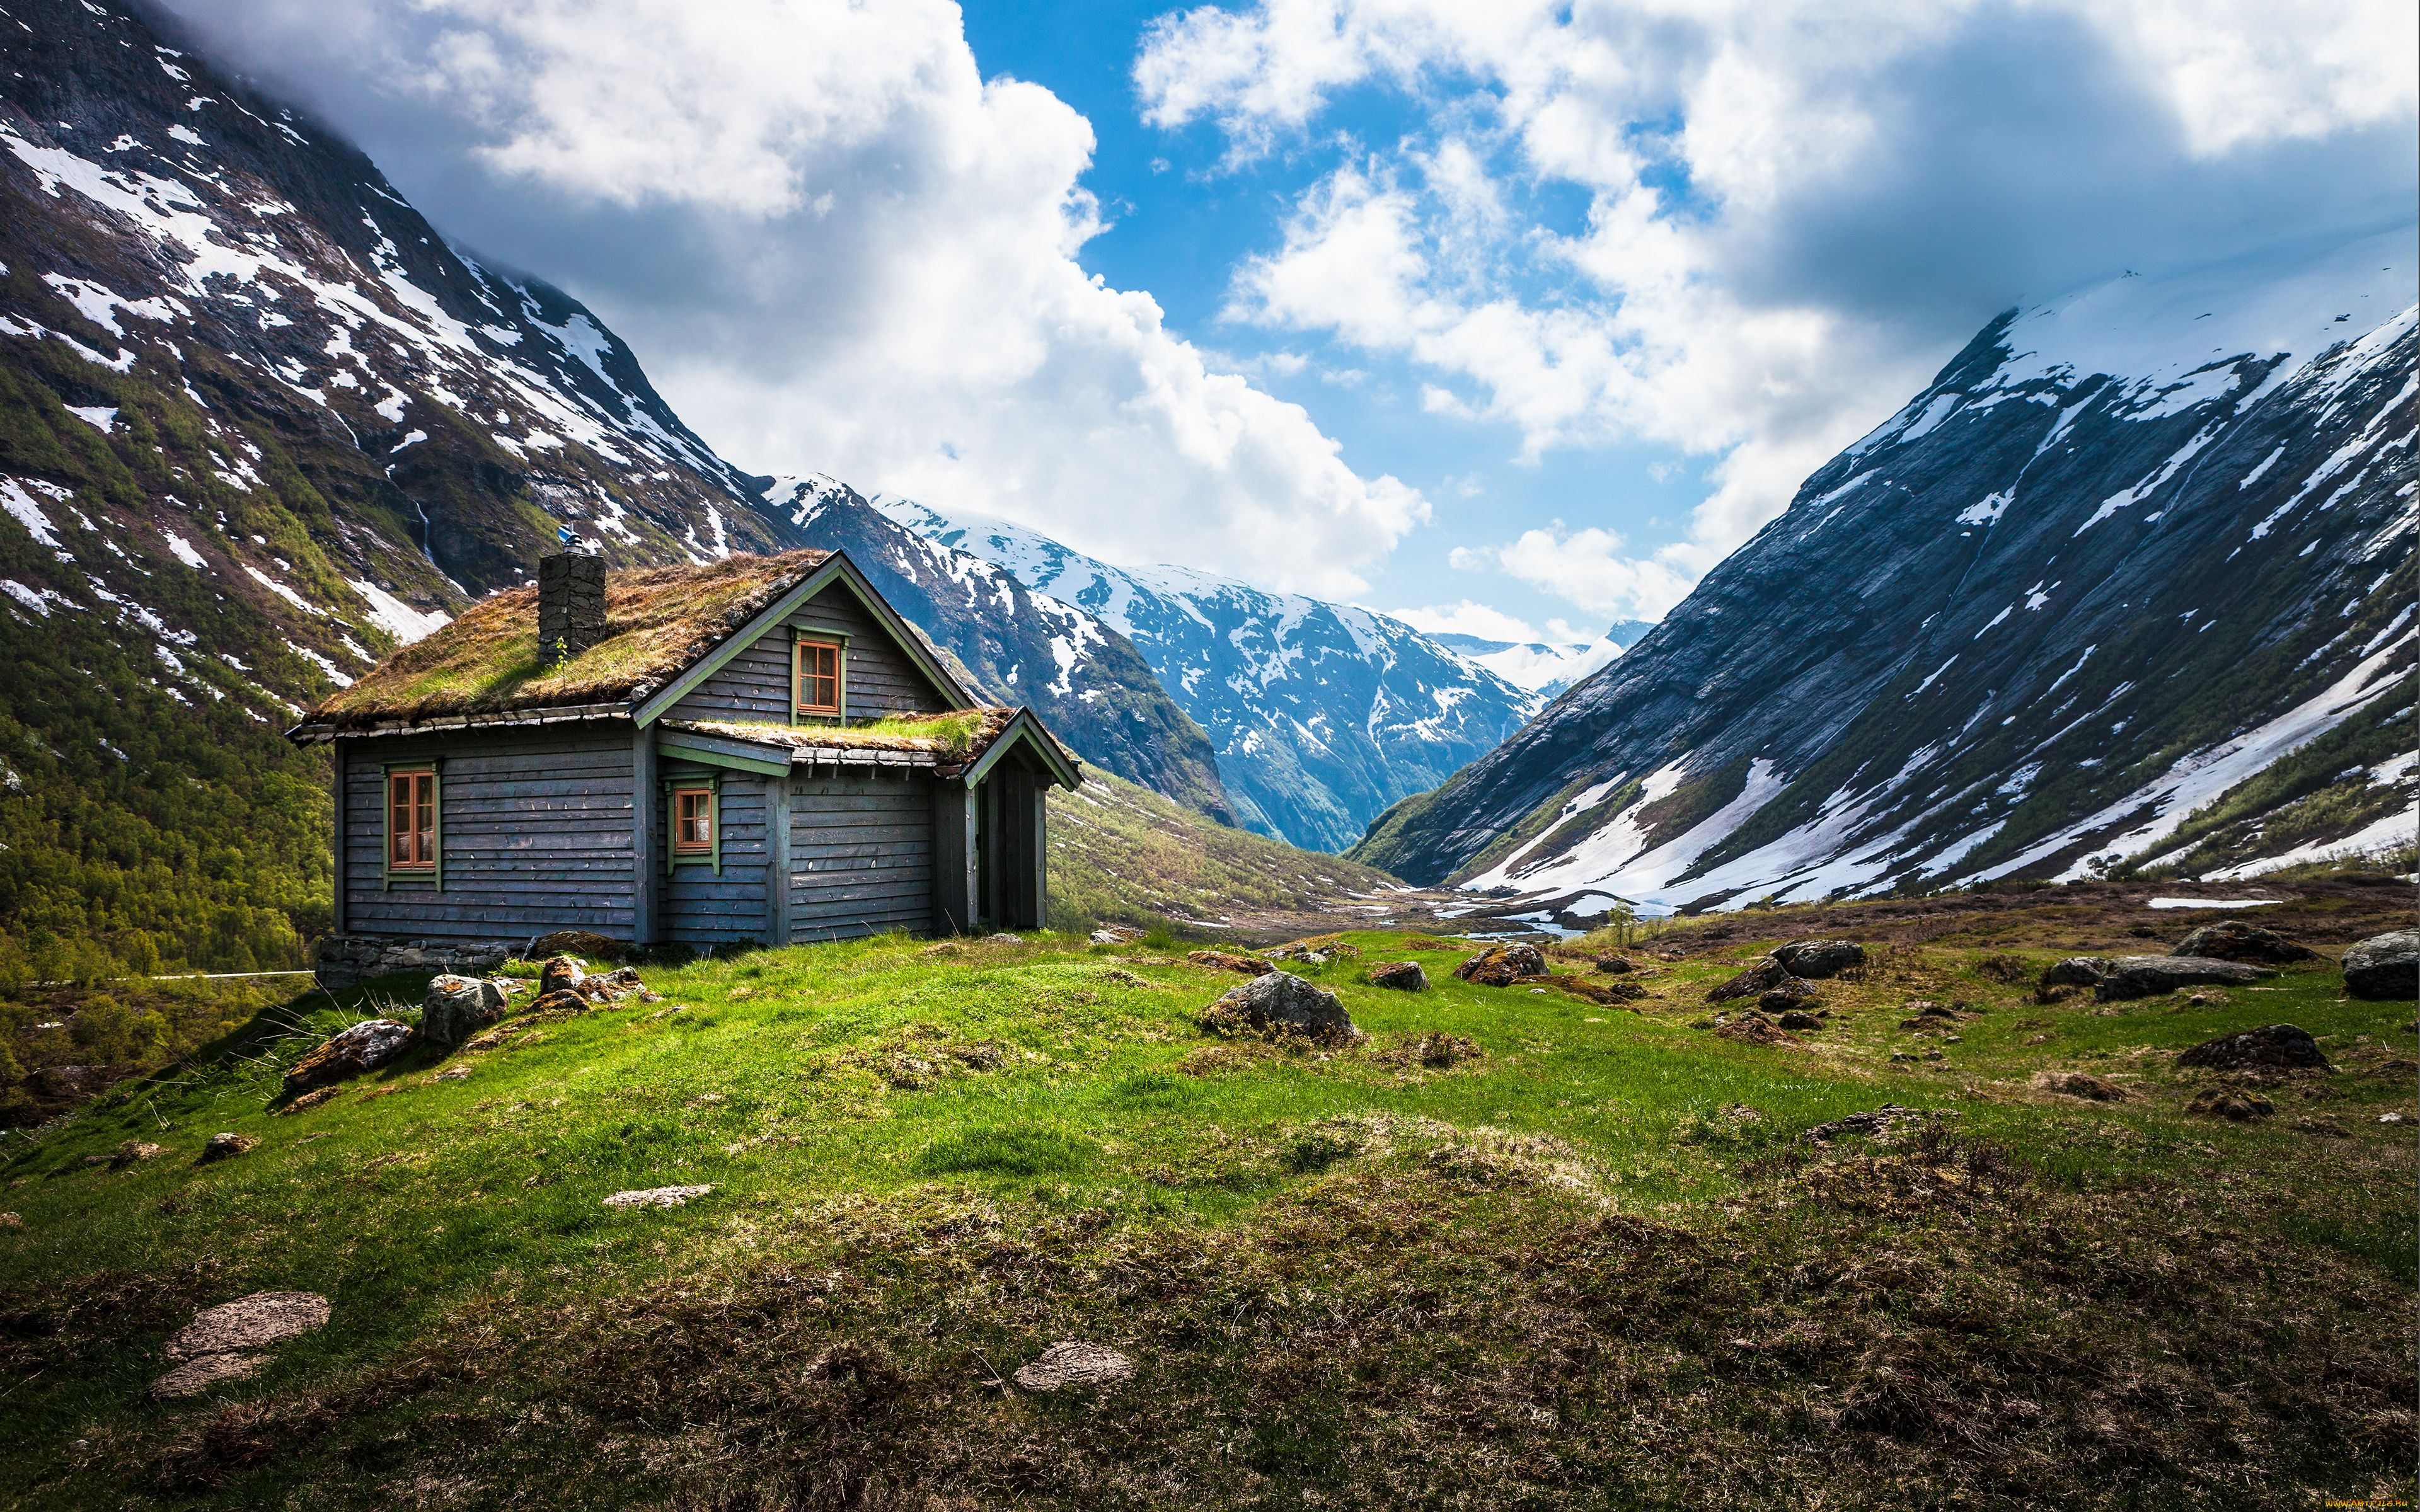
column 816, row 679
column 693, row 821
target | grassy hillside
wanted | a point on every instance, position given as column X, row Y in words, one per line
column 1516, row 1249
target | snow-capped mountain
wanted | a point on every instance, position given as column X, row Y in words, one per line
column 1322, row 713
column 1083, row 677
column 1543, row 668
column 2129, row 584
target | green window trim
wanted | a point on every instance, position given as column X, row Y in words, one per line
column 799, row 635
column 434, row 878
column 673, row 857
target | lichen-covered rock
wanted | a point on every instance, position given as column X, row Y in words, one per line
column 2077, row 971
column 1283, row 1002
column 2278, row 1047
column 455, row 1008
column 1501, row 965
column 2232, row 1103
column 1784, row 996
column 578, row 942
column 1753, row 1027
column 2236, row 939
column 350, row 1053
column 1401, row 976
column 657, row 1196
column 1613, row 966
column 1250, row 966
column 1073, row 1363
column 1799, row 1021
column 2129, row 976
column 250, row 1322
column 2384, row 968
column 225, row 1147
column 1760, row 979
column 1819, row 959
column 560, row 971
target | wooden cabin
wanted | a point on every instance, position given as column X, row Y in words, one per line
column 758, row 750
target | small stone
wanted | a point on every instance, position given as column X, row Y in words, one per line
column 199, row 1375
column 250, row 1322
column 1073, row 1363
column 1756, row 981
column 225, row 1147
column 131, row 1150
column 2278, row 1047
column 2236, row 939
column 1002, row 938
column 455, row 1008
column 1790, row 992
column 363, row 1047
column 1250, row 966
column 1401, row 976
column 1284, row 1002
column 2390, row 1118
column 1819, row 959
column 1501, row 965
column 2130, row 977
column 1615, row 964
column 12, row 1220
column 2326, row 1128
column 1801, row 1020
column 1753, row 1027
column 560, row 972
column 2384, row 968
column 2235, row 1106
column 2078, row 1084
column 578, row 942
column 454, row 1073
column 657, row 1196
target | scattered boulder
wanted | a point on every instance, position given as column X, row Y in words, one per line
column 560, row 971
column 613, row 987
column 1799, row 1021
column 1753, row 1027
column 226, row 1147
column 457, row 1007
column 2234, row 939
column 2231, row 1103
column 1788, row 993
column 1115, row 935
column 1073, row 1363
column 561, row 1001
column 1250, row 966
column 1501, row 965
column 127, row 1154
column 1613, row 966
column 2129, row 976
column 578, row 942
column 1316, row 950
column 1760, row 979
column 2278, row 1047
column 350, row 1053
column 2078, row 1084
column 1402, row 976
column 2384, row 968
column 2077, row 971
column 197, row 1376
column 1819, row 959
column 657, row 1196
column 1284, row 1003
column 253, row 1322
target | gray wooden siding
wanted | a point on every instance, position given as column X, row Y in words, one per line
column 537, row 830
column 700, row 907
column 861, row 855
column 755, row 683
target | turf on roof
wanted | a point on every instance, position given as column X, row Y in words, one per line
column 658, row 622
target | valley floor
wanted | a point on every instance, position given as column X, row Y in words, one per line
column 1515, row 1249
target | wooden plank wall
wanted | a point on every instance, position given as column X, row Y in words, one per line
column 537, row 828
column 700, row 907
column 755, row 683
column 861, row 855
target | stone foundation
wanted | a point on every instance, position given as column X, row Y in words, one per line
column 346, row 959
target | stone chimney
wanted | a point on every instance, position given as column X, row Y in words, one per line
column 570, row 605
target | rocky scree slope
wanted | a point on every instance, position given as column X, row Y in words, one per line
column 2127, row 585
column 1322, row 713
column 1087, row 681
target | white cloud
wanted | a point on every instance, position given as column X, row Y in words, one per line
column 1468, row 618
column 1795, row 208
column 837, row 247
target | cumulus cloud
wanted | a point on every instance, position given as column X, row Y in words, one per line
column 838, row 249
column 1487, row 623
column 1793, row 209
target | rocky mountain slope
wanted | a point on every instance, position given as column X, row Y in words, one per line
column 1322, row 713
column 258, row 424
column 2129, row 585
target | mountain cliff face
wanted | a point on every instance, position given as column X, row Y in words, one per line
column 2129, row 584
column 1321, row 713
column 1086, row 680
column 258, row 425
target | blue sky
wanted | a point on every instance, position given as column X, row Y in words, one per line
column 1503, row 317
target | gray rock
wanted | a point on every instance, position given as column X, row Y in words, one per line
column 2077, row 971
column 580, row 942
column 253, row 1322
column 2384, row 968
column 1282, row 1000
column 1501, row 965
column 2234, row 939
column 1403, row 975
column 365, row 1047
column 657, row 1196
column 2148, row 976
column 559, row 972
column 1819, row 959
column 225, row 1147
column 2078, row 1084
column 2278, row 1047
column 1760, row 979
column 1073, row 1363
column 457, row 1007
column 1785, row 995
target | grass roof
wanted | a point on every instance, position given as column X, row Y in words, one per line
column 658, row 622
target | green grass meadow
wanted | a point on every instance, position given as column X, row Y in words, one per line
column 1592, row 1266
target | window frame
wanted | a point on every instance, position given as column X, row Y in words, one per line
column 709, row 854
column 433, row 873
column 837, row 711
